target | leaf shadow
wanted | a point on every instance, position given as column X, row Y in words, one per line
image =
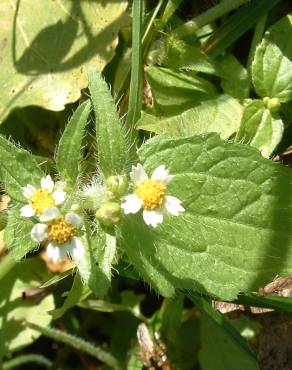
column 277, row 254
column 47, row 52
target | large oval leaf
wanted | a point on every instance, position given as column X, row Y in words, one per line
column 236, row 233
column 45, row 45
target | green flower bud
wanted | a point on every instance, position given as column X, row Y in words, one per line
column 117, row 185
column 93, row 195
column 273, row 104
column 109, row 213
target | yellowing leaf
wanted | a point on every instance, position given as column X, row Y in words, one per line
column 45, row 47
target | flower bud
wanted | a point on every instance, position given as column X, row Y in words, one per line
column 93, row 195
column 109, row 213
column 117, row 185
column 273, row 104
column 75, row 207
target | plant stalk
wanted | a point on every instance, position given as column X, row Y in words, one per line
column 210, row 15
column 6, row 264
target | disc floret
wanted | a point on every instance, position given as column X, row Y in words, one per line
column 150, row 194
column 46, row 197
column 61, row 234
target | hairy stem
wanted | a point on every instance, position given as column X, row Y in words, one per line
column 24, row 359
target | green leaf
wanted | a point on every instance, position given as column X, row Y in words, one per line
column 272, row 65
column 269, row 301
column 130, row 303
column 260, row 128
column 172, row 310
column 234, row 77
column 18, row 168
column 136, row 83
column 222, row 345
column 77, row 294
column 171, row 88
column 45, row 64
column 237, row 24
column 14, row 309
column 70, row 145
column 17, row 234
column 111, row 142
column 58, row 277
column 221, row 115
column 103, row 271
column 180, row 55
column 236, row 232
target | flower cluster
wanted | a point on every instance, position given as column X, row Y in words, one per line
column 60, row 231
column 57, row 230
column 150, row 194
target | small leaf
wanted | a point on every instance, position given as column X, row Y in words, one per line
column 57, row 277
column 236, row 232
column 260, row 128
column 221, row 115
column 103, row 271
column 111, row 142
column 18, row 168
column 17, row 234
column 234, row 77
column 171, row 88
column 272, row 65
column 180, row 55
column 77, row 294
column 69, row 149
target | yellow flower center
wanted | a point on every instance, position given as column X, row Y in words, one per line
column 151, row 192
column 59, row 231
column 41, row 200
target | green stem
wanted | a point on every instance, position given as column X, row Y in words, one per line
column 24, row 359
column 150, row 23
column 6, row 264
column 217, row 11
column 170, row 8
column 77, row 343
column 257, row 37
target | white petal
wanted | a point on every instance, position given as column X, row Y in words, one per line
column 47, row 183
column 28, row 191
column 173, row 205
column 138, row 174
column 49, row 214
column 27, row 211
column 73, row 219
column 131, row 204
column 55, row 252
column 59, row 196
column 39, row 232
column 78, row 249
column 152, row 218
column 162, row 174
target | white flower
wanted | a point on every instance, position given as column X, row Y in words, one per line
column 39, row 200
column 149, row 194
column 60, row 232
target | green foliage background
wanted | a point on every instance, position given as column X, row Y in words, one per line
column 90, row 88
